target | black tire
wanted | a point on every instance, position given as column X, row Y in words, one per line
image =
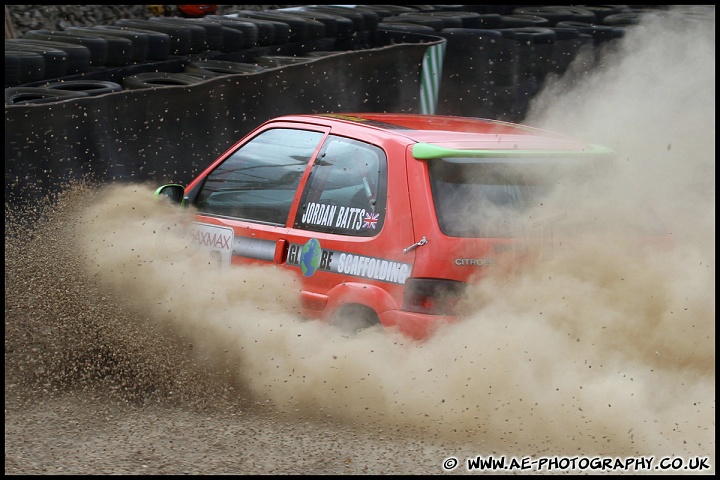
column 354, row 318
column 34, row 95
column 264, row 32
column 298, row 27
column 599, row 33
column 530, row 35
column 214, row 32
column 489, row 21
column 91, row 87
column 388, row 10
column 181, row 41
column 379, row 12
column 158, row 42
column 362, row 20
column 556, row 14
column 436, row 24
column 219, row 68
column 371, row 17
column 56, row 60
column 521, row 21
column 12, row 70
column 78, row 55
column 281, row 30
column 353, row 15
column 535, row 47
column 602, row 11
column 449, row 19
column 425, row 8
column 233, row 40
column 406, row 27
column 119, row 49
column 335, row 25
column 98, row 47
column 139, row 40
column 301, row 27
column 30, row 65
column 227, row 40
column 467, row 19
column 471, row 32
column 568, row 42
column 473, row 50
column 160, row 79
column 199, row 36
column 248, row 30
column 625, row 19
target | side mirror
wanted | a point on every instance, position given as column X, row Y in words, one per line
column 172, row 191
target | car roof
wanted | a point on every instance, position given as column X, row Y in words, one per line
column 454, row 132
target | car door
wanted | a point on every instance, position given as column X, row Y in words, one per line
column 273, row 201
column 345, row 241
column 245, row 198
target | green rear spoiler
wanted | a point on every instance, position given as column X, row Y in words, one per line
column 427, row 151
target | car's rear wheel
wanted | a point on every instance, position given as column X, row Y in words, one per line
column 353, row 318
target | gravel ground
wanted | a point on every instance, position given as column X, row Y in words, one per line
column 91, row 387
column 84, row 435
column 123, row 360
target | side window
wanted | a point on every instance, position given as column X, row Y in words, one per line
column 346, row 191
column 258, row 181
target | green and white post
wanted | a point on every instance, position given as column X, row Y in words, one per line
column 430, row 77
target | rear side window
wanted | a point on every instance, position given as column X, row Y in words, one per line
column 258, row 181
column 346, row 190
column 493, row 198
column 488, row 199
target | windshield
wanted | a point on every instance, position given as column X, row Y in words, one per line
column 258, row 181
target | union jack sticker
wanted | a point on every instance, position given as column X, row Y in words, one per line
column 370, row 220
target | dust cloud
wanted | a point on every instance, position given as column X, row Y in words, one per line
column 608, row 349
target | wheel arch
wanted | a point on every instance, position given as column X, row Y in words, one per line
column 354, row 293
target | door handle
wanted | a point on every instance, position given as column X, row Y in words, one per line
column 422, row 241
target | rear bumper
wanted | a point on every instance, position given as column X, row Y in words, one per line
column 418, row 326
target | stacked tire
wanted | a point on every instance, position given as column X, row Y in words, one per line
column 497, row 57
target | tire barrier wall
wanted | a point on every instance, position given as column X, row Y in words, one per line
column 484, row 63
column 169, row 133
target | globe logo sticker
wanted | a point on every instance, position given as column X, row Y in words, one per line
column 310, row 257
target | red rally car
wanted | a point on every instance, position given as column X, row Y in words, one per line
column 383, row 217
